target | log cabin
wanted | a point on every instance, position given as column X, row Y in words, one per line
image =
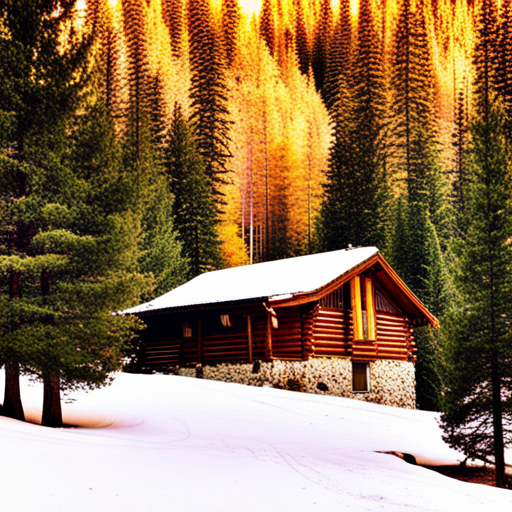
column 339, row 323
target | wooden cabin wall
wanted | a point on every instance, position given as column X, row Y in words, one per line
column 287, row 338
column 332, row 332
column 395, row 338
column 303, row 331
column 164, row 344
column 333, row 336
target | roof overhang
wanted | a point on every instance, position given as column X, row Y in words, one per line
column 402, row 294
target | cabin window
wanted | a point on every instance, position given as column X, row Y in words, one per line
column 363, row 308
column 187, row 330
column 226, row 321
column 360, row 377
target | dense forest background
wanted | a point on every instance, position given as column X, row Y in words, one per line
column 280, row 88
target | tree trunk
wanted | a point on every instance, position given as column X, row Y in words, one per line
column 52, row 412
column 12, row 407
column 497, row 419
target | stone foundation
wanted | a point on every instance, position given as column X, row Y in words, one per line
column 391, row 382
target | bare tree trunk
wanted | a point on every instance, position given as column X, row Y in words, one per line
column 52, row 412
column 12, row 407
column 497, row 420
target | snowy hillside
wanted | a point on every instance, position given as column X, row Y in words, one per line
column 180, row 444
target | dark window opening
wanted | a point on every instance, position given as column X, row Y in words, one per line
column 360, row 377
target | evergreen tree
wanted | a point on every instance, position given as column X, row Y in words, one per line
column 108, row 48
column 338, row 224
column 193, row 207
column 459, row 170
column 321, row 45
column 356, row 193
column 139, row 76
column 66, row 248
column 208, row 95
column 230, row 27
column 428, row 377
column 415, row 146
column 504, row 68
column 35, row 111
column 267, row 25
column 340, row 56
column 88, row 242
column 143, row 158
column 173, row 12
column 370, row 110
column 302, row 50
column 477, row 333
column 421, row 236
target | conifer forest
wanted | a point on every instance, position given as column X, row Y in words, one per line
column 143, row 142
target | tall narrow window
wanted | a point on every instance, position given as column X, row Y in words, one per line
column 360, row 377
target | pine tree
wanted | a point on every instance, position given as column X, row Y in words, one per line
column 370, row 110
column 459, row 170
column 231, row 16
column 414, row 139
column 267, row 25
column 208, row 94
column 66, row 248
column 30, row 106
column 302, row 50
column 340, row 56
column 139, row 76
column 193, row 207
column 477, row 332
column 173, row 12
column 355, row 211
column 108, row 46
column 428, row 377
column 338, row 225
column 504, row 67
column 88, row 242
column 321, row 45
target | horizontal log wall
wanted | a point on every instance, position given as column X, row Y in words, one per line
column 394, row 337
column 287, row 338
column 332, row 332
column 161, row 353
column 333, row 337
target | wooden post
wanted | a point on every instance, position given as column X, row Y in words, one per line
column 268, row 348
column 249, row 337
column 370, row 309
column 199, row 342
column 357, row 312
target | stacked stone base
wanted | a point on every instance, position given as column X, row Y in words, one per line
column 391, row 382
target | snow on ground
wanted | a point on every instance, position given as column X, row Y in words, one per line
column 166, row 443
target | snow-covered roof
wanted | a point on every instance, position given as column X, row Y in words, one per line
column 270, row 280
